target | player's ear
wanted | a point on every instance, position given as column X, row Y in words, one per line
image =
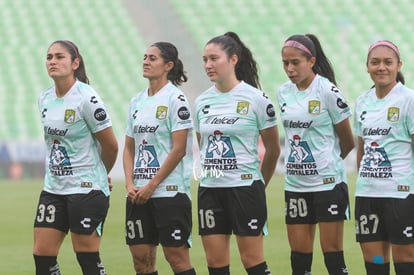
column 169, row 65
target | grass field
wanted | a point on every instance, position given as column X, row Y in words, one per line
column 17, row 208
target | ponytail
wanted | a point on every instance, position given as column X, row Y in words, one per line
column 246, row 67
column 311, row 47
column 170, row 53
column 80, row 72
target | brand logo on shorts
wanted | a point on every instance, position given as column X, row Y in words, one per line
column 176, row 234
column 333, row 209
column 85, row 222
column 408, row 231
column 253, row 224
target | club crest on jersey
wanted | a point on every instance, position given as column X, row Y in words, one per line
column 69, row 116
column 393, row 114
column 161, row 113
column 314, row 107
column 243, row 107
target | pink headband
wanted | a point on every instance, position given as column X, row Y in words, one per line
column 385, row 43
column 70, row 43
column 296, row 44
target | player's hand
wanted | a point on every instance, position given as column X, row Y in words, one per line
column 132, row 193
column 110, row 185
column 144, row 193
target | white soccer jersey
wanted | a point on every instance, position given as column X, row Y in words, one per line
column 73, row 162
column 229, row 125
column 312, row 152
column 386, row 125
column 151, row 121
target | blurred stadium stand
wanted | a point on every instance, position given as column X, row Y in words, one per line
column 112, row 36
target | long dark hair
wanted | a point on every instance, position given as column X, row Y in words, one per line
column 170, row 53
column 246, row 67
column 80, row 72
column 322, row 64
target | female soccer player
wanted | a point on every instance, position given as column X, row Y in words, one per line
column 81, row 151
column 157, row 164
column 230, row 117
column 384, row 123
column 318, row 137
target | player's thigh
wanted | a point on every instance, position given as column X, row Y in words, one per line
column 300, row 208
column 140, row 227
column 400, row 220
column 368, row 219
column 332, row 205
column 87, row 212
column 213, row 217
column 52, row 212
column 173, row 219
column 248, row 210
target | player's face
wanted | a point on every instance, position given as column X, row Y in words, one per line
column 154, row 66
column 383, row 66
column 298, row 67
column 59, row 62
column 218, row 66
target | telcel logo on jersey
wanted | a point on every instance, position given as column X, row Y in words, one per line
column 145, row 129
column 222, row 120
column 55, row 131
column 297, row 124
column 376, row 131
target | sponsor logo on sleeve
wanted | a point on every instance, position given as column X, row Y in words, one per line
column 100, row 114
column 183, row 113
column 270, row 110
